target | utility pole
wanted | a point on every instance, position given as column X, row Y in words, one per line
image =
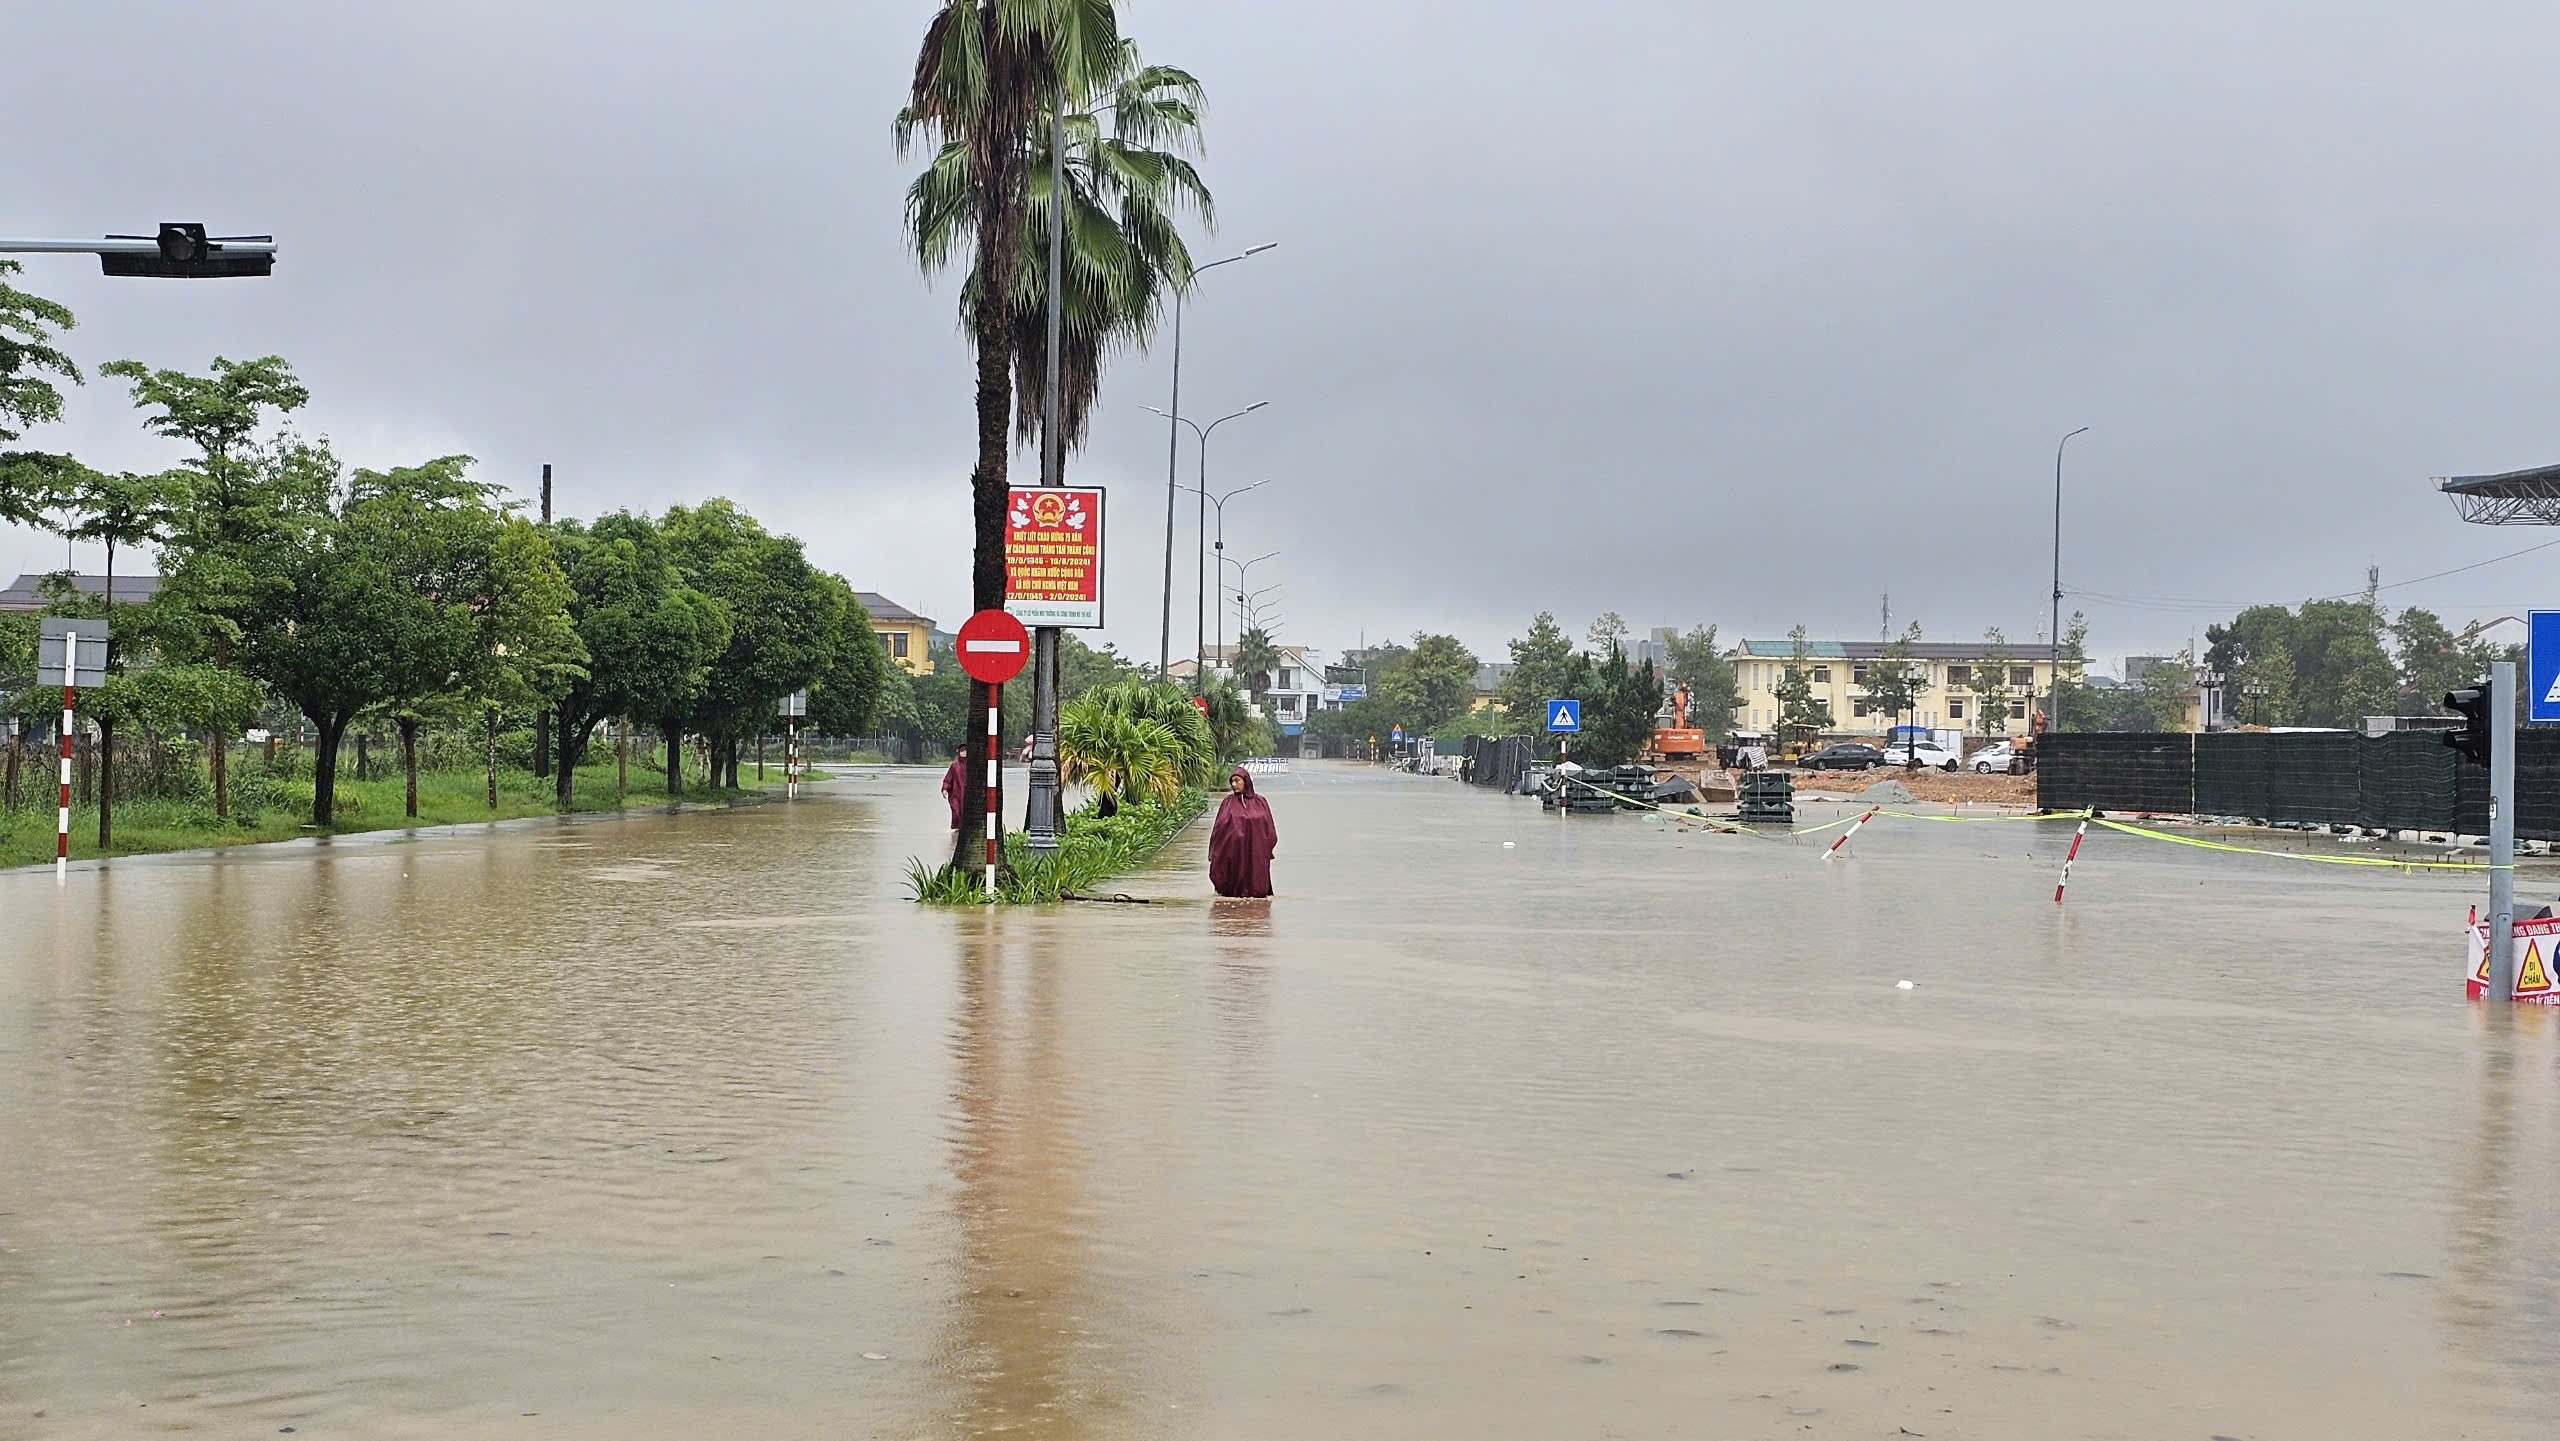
column 2502, row 830
column 2053, row 693
column 1040, row 811
column 542, row 713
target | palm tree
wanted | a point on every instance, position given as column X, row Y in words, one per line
column 1121, row 756
column 1156, row 703
column 1256, row 657
column 981, row 74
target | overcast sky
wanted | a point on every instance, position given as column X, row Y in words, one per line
column 1695, row 311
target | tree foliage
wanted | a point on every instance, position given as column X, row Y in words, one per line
column 1801, row 714
column 1427, row 684
column 1694, row 660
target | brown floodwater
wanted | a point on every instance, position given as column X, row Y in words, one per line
column 690, row 1125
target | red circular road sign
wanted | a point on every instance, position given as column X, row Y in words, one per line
column 993, row 646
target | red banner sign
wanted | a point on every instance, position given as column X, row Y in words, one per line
column 1053, row 556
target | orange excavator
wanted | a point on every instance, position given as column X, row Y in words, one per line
column 1673, row 737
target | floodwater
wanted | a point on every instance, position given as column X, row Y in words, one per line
column 676, row 1126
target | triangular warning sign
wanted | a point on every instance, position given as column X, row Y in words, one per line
column 1564, row 713
column 2532, row 977
column 2552, row 696
column 2482, row 975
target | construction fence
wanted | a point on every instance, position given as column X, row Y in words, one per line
column 1498, row 763
column 2406, row 780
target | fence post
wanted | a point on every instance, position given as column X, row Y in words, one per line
column 2502, row 829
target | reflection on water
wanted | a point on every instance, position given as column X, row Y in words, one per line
column 676, row 1126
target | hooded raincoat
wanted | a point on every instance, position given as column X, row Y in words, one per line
column 1241, row 842
column 955, row 785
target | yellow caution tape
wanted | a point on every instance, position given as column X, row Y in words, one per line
column 2201, row 843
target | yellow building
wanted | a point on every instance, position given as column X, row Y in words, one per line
column 1947, row 697
column 904, row 634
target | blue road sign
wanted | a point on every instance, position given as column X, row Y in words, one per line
column 2542, row 665
column 1398, row 736
column 1564, row 715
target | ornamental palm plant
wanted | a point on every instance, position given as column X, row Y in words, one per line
column 981, row 74
column 1118, row 754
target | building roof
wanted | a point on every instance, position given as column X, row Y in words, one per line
column 882, row 609
column 26, row 593
column 2511, row 497
column 1874, row 650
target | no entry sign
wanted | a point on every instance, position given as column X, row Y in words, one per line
column 993, row 647
column 1053, row 555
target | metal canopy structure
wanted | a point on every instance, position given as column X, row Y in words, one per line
column 2517, row 497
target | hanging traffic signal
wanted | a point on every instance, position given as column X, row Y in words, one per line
column 182, row 251
column 2472, row 704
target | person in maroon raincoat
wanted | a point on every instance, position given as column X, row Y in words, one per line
column 1242, row 840
column 955, row 784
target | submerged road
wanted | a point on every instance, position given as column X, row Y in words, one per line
column 661, row 1126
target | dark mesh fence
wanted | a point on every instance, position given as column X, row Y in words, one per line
column 2116, row 772
column 2407, row 780
column 1498, row 763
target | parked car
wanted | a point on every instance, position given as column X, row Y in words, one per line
column 1995, row 759
column 1844, row 756
column 1932, row 755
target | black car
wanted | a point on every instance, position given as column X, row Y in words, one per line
column 1846, row 756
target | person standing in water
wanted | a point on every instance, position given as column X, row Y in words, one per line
column 1242, row 840
column 955, row 785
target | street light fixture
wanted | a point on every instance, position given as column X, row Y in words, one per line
column 1200, row 603
column 1172, row 445
column 2053, row 695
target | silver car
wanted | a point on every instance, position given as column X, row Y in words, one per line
column 1993, row 759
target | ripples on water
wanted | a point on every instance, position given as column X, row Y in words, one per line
column 689, row 1125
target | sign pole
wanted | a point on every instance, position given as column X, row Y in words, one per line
column 995, row 800
column 791, row 758
column 2502, row 829
column 62, row 831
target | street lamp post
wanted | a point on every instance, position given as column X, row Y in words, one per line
column 1200, row 606
column 181, row 251
column 1220, row 545
column 1172, row 446
column 1040, row 808
column 2053, row 693
column 1243, row 567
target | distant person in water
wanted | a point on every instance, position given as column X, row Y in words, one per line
column 955, row 785
column 1242, row 840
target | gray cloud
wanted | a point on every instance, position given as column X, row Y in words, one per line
column 1698, row 312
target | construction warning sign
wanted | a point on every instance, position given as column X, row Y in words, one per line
column 2537, row 959
column 1053, row 556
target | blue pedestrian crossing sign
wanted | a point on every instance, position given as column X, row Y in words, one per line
column 1397, row 735
column 2542, row 665
column 1564, row 715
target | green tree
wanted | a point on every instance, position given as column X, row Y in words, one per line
column 1989, row 683
column 982, row 73
column 1135, row 739
column 2072, row 703
column 2433, row 660
column 1619, row 704
column 649, row 635
column 1257, row 655
column 1427, row 684
column 1541, row 668
column 1608, row 632
column 1695, row 661
column 1801, row 714
column 30, row 364
column 128, row 511
column 366, row 603
column 245, row 497
column 846, row 698
column 1894, row 683
column 782, row 622
column 528, row 653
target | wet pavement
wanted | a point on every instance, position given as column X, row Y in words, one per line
column 692, row 1125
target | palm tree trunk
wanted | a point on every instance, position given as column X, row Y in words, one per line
column 493, row 758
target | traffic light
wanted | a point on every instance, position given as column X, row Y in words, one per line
column 2472, row 704
column 187, row 253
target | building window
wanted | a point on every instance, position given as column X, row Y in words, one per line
column 1955, row 708
column 2017, row 710
column 1858, row 676
column 1822, row 675
column 1288, row 677
column 894, row 642
column 1858, row 708
column 2022, row 675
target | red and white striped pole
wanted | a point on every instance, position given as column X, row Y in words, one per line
column 62, row 832
column 995, row 798
column 1851, row 831
column 2069, row 858
column 791, row 758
